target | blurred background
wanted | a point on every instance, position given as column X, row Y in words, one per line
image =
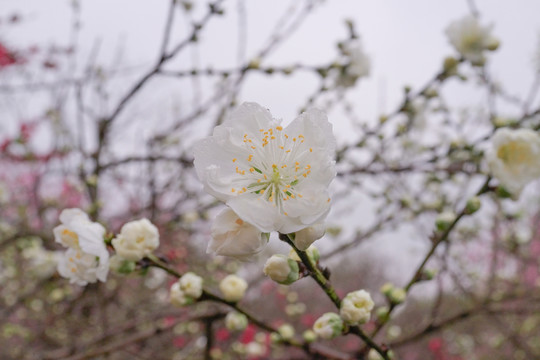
column 102, row 101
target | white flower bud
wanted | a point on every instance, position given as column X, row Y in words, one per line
column 305, row 237
column 397, row 295
column 309, row 336
column 236, row 321
column 136, row 240
column 286, row 331
column 191, row 285
column 177, row 297
column 328, row 326
column 444, row 220
column 254, row 349
column 312, row 253
column 356, row 307
column 233, row 288
column 281, row 269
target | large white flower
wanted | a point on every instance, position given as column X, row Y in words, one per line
column 232, row 236
column 87, row 258
column 515, row 158
column 136, row 240
column 471, row 39
column 274, row 178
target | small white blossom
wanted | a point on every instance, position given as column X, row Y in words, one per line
column 358, row 64
column 514, row 158
column 255, row 349
column 232, row 236
column 136, row 240
column 356, row 307
column 81, row 268
column 42, row 262
column 233, row 288
column 471, row 39
column 286, row 331
column 281, row 269
column 192, row 285
column 236, row 321
column 272, row 177
column 305, row 237
column 87, row 258
column 177, row 297
column 328, row 326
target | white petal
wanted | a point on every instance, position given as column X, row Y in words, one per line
column 68, row 216
column 262, row 214
column 231, row 236
column 250, row 118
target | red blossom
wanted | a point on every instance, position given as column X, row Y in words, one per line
column 222, row 335
column 248, row 335
column 6, row 57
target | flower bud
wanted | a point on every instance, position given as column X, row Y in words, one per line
column 191, row 285
column 136, row 240
column 286, row 331
column 397, row 296
column 281, row 269
column 328, row 326
column 120, row 265
column 382, row 314
column 309, row 336
column 177, row 297
column 387, row 288
column 312, row 253
column 444, row 220
column 473, row 205
column 450, row 65
column 233, row 288
column 236, row 321
column 356, row 307
column 305, row 237
column 493, row 44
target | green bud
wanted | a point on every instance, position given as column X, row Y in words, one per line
column 387, row 288
column 444, row 220
column 397, row 296
column 473, row 205
column 450, row 65
column 309, row 336
column 502, row 192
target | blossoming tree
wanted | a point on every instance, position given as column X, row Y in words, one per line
column 225, row 232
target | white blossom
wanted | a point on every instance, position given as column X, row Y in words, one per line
column 82, row 268
column 357, row 66
column 136, row 240
column 236, row 321
column 177, row 297
column 232, row 236
column 42, row 262
column 233, row 288
column 86, row 259
column 305, row 237
column 471, row 39
column 192, row 285
column 356, row 307
column 272, row 177
column 281, row 269
column 514, row 158
column 328, row 326
column 286, row 331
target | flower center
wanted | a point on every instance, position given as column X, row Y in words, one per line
column 515, row 153
column 276, row 164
